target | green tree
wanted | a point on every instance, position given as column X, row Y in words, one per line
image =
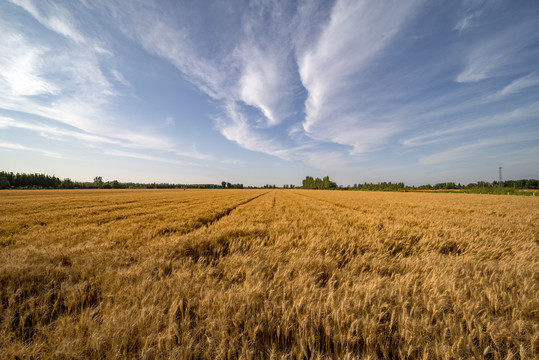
column 325, row 183
column 98, row 182
column 4, row 182
column 308, row 183
column 67, row 184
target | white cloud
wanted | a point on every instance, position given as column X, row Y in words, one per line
column 332, row 70
column 265, row 56
column 119, row 77
column 130, row 154
column 489, row 56
column 70, row 86
column 22, row 68
column 471, row 150
column 515, row 86
column 15, row 146
column 235, row 127
column 485, row 122
column 159, row 35
column 58, row 20
column 66, row 85
column 264, row 83
column 466, row 22
column 257, row 70
column 55, row 132
column 124, row 140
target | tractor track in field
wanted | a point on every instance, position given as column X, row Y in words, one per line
column 227, row 211
column 208, row 221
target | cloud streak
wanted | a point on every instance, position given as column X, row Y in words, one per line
column 21, row 67
column 332, row 69
column 491, row 55
column 16, row 146
column 459, row 153
column 70, row 86
column 58, row 19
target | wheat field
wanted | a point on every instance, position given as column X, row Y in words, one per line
column 276, row 274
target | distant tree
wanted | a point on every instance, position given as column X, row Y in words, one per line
column 67, row 184
column 4, row 182
column 228, row 185
column 308, row 183
column 98, row 182
column 223, row 184
column 532, row 184
column 325, row 183
column 116, row 185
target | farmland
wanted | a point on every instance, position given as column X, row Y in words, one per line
column 268, row 274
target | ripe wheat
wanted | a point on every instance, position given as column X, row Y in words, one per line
column 268, row 274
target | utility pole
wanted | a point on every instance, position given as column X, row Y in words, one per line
column 500, row 183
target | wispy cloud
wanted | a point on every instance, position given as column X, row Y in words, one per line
column 459, row 153
column 118, row 76
column 159, row 34
column 265, row 71
column 126, row 140
column 112, row 152
column 456, row 130
column 21, row 67
column 516, row 86
column 77, row 86
column 264, row 83
column 16, row 146
column 235, row 127
column 467, row 20
column 464, row 23
column 491, row 55
column 58, row 19
column 331, row 70
column 265, row 53
column 58, row 133
column 256, row 71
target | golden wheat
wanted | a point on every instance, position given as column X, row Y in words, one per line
column 268, row 274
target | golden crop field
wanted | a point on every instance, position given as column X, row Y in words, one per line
column 216, row 274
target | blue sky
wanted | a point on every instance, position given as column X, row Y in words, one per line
column 258, row 92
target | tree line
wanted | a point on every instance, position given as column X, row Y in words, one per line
column 523, row 184
column 494, row 187
column 42, row 181
column 10, row 180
